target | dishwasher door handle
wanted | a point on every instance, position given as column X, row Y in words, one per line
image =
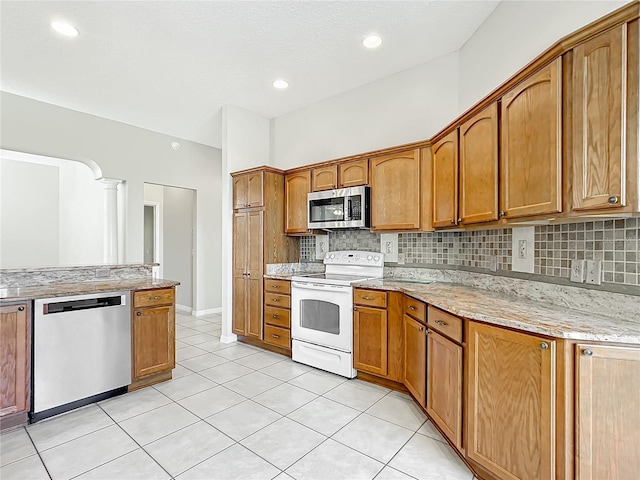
column 83, row 304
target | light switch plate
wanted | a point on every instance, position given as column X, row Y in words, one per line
column 594, row 272
column 577, row 270
column 522, row 249
column 322, row 246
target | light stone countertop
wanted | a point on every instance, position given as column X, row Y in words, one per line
column 11, row 294
column 515, row 312
column 280, row 276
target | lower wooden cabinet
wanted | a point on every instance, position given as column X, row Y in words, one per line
column 511, row 403
column 15, row 363
column 607, row 412
column 370, row 340
column 277, row 313
column 415, row 358
column 153, row 332
column 444, row 385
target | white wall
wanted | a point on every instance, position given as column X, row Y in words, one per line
column 406, row 107
column 178, row 215
column 135, row 155
column 29, row 224
column 514, row 34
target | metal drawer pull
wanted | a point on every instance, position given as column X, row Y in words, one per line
column 367, row 298
column 441, row 323
column 275, row 286
column 420, row 329
column 544, row 345
column 155, row 298
column 138, row 313
column 612, row 200
column 275, row 316
column 587, row 352
column 275, row 299
column 411, row 307
column 275, row 336
column 21, row 309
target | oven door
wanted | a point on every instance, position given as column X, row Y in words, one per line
column 322, row 314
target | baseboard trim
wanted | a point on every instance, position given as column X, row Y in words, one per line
column 208, row 311
column 228, row 338
column 183, row 309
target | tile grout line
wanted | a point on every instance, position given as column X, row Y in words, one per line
column 38, row 453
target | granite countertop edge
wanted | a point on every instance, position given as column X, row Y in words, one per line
column 515, row 312
column 12, row 294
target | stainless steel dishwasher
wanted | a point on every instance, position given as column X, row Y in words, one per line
column 82, row 351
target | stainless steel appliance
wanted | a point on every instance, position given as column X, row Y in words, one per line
column 322, row 310
column 82, row 351
column 342, row 208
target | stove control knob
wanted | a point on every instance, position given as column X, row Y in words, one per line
column 369, row 257
column 376, row 258
column 333, row 256
column 326, row 256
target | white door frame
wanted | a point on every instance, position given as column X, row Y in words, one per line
column 157, row 236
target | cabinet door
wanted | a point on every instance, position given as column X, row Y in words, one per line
column 370, row 340
column 415, row 358
column 15, row 361
column 254, row 274
column 153, row 340
column 511, row 407
column 297, row 187
column 240, row 191
column 479, row 167
column 325, row 178
column 395, row 191
column 255, row 182
column 531, row 140
column 599, row 79
column 444, row 389
column 354, row 173
column 240, row 255
column 607, row 412
column 445, row 181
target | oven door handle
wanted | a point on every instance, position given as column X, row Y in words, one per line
column 323, row 287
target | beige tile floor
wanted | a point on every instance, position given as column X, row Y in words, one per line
column 235, row 412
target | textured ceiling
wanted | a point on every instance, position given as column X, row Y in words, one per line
column 169, row 66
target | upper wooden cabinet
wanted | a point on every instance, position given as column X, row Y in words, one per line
column 353, row 173
column 479, row 167
column 511, row 402
column 248, row 190
column 599, row 113
column 324, row 178
column 15, row 363
column 395, row 191
column 445, row 181
column 531, row 140
column 607, row 423
column 297, row 187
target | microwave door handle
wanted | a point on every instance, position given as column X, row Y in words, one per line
column 347, row 213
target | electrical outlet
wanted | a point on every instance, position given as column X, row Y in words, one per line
column 389, row 246
column 594, row 272
column 322, row 246
column 577, row 271
column 401, row 259
column 522, row 249
column 493, row 263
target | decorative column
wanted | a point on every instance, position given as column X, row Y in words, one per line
column 110, row 219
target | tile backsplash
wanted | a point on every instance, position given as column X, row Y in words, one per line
column 615, row 242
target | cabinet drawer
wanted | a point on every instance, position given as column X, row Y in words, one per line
column 415, row 308
column 445, row 323
column 277, row 286
column 279, row 317
column 369, row 298
column 277, row 300
column 280, row 337
column 152, row 298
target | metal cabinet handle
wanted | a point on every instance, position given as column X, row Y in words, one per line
column 21, row 309
column 453, row 222
column 544, row 345
column 367, row 298
column 613, row 199
column 587, row 352
column 459, row 220
column 138, row 313
column 248, row 274
column 441, row 323
column 355, row 309
column 275, row 299
column 275, row 286
column 420, row 329
column 155, row 298
column 275, row 336
column 411, row 307
column 502, row 214
column 275, row 316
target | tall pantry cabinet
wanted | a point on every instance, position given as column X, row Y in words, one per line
column 258, row 239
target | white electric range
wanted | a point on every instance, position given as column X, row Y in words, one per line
column 322, row 310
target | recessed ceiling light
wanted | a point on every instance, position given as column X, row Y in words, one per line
column 280, row 84
column 372, row 41
column 64, row 28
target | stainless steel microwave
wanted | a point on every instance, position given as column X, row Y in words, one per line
column 342, row 208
